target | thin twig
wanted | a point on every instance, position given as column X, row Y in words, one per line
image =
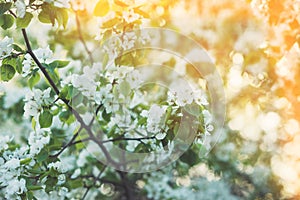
column 70, row 143
column 129, row 139
column 82, row 39
column 88, row 189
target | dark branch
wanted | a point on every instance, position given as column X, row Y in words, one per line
column 129, row 139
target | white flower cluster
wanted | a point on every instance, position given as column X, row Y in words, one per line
column 6, row 47
column 155, row 119
column 11, row 166
column 87, row 82
column 42, row 55
column 182, row 94
column 38, row 139
column 10, row 170
column 35, row 100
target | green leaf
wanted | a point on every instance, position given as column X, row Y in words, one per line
column 50, row 183
column 7, row 72
column 110, row 23
column 67, row 117
column 35, row 171
column 54, row 75
column 190, row 157
column 59, row 64
column 33, row 123
column 106, row 116
column 75, row 183
column 34, row 187
column 4, row 7
column 101, row 8
column 25, row 161
column 42, row 156
column 62, row 17
column 44, row 17
column 17, row 48
column 33, row 80
column 50, row 14
column 24, row 22
column 45, row 119
column 7, row 21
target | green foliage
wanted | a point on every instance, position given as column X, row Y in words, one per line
column 45, row 119
column 58, row 64
column 6, row 21
column 34, row 79
column 7, row 72
column 24, row 22
column 51, row 14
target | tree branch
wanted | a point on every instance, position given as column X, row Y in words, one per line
column 129, row 139
column 75, row 113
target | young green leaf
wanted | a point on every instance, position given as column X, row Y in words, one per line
column 7, row 21
column 45, row 17
column 24, row 22
column 17, row 48
column 62, row 17
column 45, row 119
column 7, row 72
column 33, row 80
column 59, row 64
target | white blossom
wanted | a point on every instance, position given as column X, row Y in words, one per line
column 12, row 163
column 27, row 65
column 15, row 187
column 59, row 166
column 155, row 116
column 21, row 8
column 6, row 47
column 43, row 54
column 130, row 16
column 76, row 173
column 35, row 100
column 38, row 139
column 103, row 94
column 129, row 40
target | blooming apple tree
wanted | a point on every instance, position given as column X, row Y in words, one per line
column 91, row 103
